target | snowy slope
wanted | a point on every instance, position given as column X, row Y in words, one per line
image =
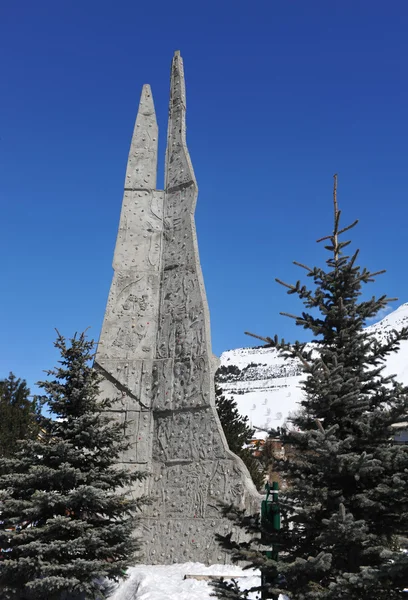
column 266, row 387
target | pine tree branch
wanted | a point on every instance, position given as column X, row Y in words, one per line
column 323, row 239
column 298, row 264
column 348, row 227
column 320, row 426
column 287, row 285
column 285, row 314
column 268, row 340
column 378, row 273
column 325, row 367
column 354, row 257
column 303, row 361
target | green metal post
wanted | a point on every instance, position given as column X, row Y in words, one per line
column 276, row 524
column 270, row 520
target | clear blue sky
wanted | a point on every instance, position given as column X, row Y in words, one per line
column 281, row 94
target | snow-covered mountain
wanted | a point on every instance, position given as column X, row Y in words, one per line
column 266, row 386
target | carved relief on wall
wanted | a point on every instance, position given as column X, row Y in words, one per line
column 183, row 540
column 187, row 436
column 130, row 324
column 181, row 337
column 179, row 206
column 134, row 336
column 133, row 293
column 181, row 324
column 196, row 489
column 192, row 382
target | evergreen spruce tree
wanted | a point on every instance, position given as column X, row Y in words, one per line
column 19, row 414
column 345, row 512
column 67, row 519
column 239, row 435
column 235, row 426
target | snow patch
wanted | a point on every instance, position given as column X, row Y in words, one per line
column 167, row 582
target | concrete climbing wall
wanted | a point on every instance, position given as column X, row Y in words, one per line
column 155, row 350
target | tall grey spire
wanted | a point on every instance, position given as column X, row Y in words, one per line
column 142, row 162
column 155, row 350
column 179, row 169
column 127, row 342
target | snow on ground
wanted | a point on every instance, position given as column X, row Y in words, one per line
column 168, row 583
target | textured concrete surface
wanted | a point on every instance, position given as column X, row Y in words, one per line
column 155, row 350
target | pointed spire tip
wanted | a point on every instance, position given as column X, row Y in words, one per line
column 147, row 89
column 146, row 105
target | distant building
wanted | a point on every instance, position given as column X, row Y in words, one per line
column 401, row 433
